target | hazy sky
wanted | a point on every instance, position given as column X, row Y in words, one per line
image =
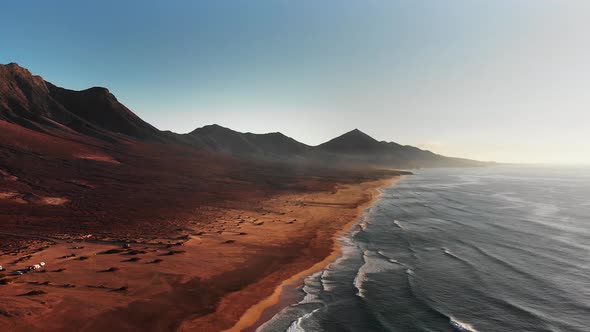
column 491, row 80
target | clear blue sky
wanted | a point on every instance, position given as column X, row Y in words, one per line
column 504, row 80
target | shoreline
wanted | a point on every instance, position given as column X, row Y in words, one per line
column 268, row 307
column 228, row 274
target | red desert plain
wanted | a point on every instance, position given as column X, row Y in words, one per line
column 218, row 271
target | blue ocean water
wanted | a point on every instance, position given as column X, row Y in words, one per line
column 483, row 249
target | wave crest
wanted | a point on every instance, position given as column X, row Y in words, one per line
column 460, row 326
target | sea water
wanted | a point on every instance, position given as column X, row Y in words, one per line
column 482, row 249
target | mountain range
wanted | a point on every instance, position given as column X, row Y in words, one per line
column 31, row 102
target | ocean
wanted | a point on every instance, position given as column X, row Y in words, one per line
column 501, row 248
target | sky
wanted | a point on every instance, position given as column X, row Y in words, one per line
column 502, row 80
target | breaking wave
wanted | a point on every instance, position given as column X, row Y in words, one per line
column 460, row 326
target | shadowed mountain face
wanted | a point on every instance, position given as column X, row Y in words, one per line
column 353, row 142
column 217, row 138
column 356, row 147
column 352, row 149
column 31, row 102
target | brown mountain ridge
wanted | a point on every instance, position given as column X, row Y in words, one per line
column 34, row 103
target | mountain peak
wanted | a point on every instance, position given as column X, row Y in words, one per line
column 17, row 71
column 98, row 90
column 356, row 135
column 211, row 128
column 29, row 100
column 352, row 141
column 13, row 66
column 215, row 126
column 14, row 74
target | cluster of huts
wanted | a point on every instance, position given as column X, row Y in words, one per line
column 36, row 266
column 29, row 268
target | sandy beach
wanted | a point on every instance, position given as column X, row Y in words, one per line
column 258, row 313
column 213, row 277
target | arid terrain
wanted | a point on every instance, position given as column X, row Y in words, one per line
column 209, row 235
column 146, row 230
column 201, row 279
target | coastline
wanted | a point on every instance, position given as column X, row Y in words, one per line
column 221, row 276
column 254, row 317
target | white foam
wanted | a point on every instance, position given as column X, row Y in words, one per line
column 310, row 290
column 326, row 284
column 347, row 249
column 398, row 224
column 309, row 298
column 296, row 325
column 448, row 252
column 372, row 264
column 461, row 327
column 359, row 280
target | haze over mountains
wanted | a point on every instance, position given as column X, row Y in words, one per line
column 31, row 102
